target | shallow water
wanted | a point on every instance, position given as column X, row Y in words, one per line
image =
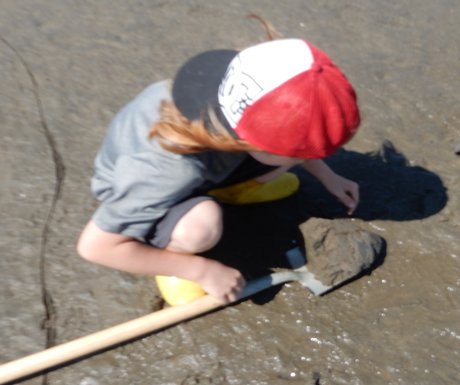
column 70, row 66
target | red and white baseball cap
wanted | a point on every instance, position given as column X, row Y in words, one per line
column 288, row 98
column 284, row 96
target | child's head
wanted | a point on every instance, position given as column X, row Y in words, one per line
column 284, row 97
column 288, row 98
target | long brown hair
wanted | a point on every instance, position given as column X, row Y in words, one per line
column 177, row 134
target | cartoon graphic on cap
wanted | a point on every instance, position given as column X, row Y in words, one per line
column 237, row 91
column 256, row 71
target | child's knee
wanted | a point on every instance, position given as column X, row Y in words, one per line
column 198, row 230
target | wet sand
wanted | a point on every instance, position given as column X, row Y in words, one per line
column 69, row 66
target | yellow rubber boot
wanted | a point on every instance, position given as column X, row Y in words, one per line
column 176, row 291
column 252, row 191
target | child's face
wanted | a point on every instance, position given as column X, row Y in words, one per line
column 274, row 160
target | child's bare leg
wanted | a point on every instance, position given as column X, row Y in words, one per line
column 198, row 230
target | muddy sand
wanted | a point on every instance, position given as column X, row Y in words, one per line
column 69, row 66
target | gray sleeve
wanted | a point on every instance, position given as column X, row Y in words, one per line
column 144, row 187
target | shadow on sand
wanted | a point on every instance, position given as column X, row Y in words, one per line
column 257, row 237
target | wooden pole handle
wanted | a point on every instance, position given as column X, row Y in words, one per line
column 105, row 338
column 92, row 343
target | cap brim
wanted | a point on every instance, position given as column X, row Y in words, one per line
column 197, row 82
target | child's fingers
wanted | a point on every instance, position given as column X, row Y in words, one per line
column 228, row 285
column 350, row 198
column 354, row 192
column 350, row 204
column 236, row 290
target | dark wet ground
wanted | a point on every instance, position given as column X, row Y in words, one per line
column 69, row 66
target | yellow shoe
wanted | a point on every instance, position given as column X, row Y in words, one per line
column 252, row 191
column 176, row 291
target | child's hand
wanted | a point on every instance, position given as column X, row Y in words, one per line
column 345, row 190
column 221, row 281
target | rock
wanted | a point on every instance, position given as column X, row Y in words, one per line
column 338, row 249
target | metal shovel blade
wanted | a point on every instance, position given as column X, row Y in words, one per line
column 300, row 274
